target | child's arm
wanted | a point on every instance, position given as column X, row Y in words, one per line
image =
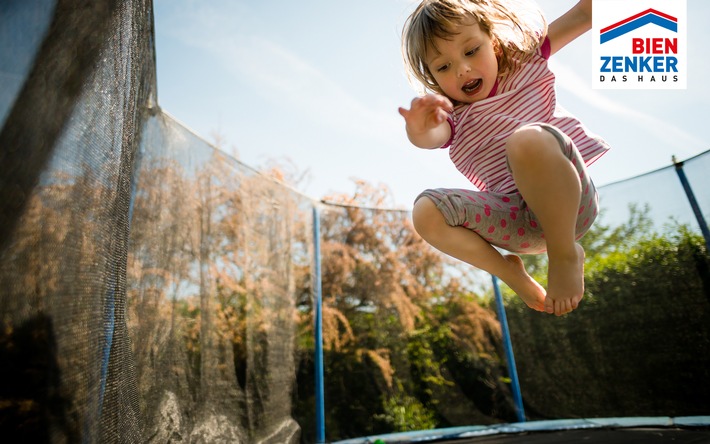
column 570, row 25
column 427, row 125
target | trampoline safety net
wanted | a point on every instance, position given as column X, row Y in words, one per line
column 154, row 289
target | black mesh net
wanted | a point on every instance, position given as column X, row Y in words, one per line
column 72, row 118
column 410, row 341
column 217, row 254
column 660, row 195
column 154, row 289
column 639, row 345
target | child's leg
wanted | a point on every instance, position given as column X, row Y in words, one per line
column 551, row 186
column 468, row 246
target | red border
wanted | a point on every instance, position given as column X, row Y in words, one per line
column 634, row 17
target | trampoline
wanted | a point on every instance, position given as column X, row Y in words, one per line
column 155, row 289
column 694, row 429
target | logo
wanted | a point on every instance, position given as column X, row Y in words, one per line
column 639, row 44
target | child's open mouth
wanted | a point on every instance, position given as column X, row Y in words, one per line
column 473, row 87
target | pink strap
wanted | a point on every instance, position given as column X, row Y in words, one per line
column 545, row 48
column 451, row 139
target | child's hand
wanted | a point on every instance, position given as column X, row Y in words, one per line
column 426, row 113
column 426, row 120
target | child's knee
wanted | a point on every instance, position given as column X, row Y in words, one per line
column 425, row 215
column 528, row 141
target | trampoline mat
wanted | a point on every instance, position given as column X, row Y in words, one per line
column 593, row 436
column 629, row 430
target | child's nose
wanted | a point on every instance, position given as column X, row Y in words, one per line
column 463, row 68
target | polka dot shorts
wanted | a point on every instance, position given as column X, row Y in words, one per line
column 505, row 220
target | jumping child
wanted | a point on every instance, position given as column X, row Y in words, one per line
column 491, row 102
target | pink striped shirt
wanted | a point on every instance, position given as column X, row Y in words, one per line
column 526, row 95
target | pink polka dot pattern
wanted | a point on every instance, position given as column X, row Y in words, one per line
column 505, row 220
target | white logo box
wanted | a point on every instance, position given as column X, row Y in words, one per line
column 639, row 44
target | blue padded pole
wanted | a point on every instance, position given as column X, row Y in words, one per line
column 508, row 346
column 693, row 202
column 318, row 306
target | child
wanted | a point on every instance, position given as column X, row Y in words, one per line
column 492, row 103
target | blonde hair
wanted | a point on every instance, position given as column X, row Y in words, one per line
column 515, row 28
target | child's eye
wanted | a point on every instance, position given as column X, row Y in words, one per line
column 442, row 68
column 472, row 52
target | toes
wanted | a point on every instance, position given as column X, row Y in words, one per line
column 563, row 307
column 559, row 308
column 568, row 306
column 549, row 305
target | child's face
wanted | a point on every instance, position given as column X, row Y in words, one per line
column 465, row 66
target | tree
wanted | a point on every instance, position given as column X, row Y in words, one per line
column 637, row 345
column 404, row 335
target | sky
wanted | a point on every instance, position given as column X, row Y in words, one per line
column 315, row 85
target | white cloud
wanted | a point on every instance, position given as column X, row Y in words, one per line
column 280, row 75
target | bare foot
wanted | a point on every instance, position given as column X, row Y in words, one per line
column 527, row 288
column 565, row 287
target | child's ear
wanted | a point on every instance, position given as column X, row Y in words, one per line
column 497, row 49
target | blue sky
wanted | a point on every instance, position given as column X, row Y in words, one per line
column 316, row 84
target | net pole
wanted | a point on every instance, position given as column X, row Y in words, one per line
column 693, row 202
column 510, row 357
column 318, row 306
